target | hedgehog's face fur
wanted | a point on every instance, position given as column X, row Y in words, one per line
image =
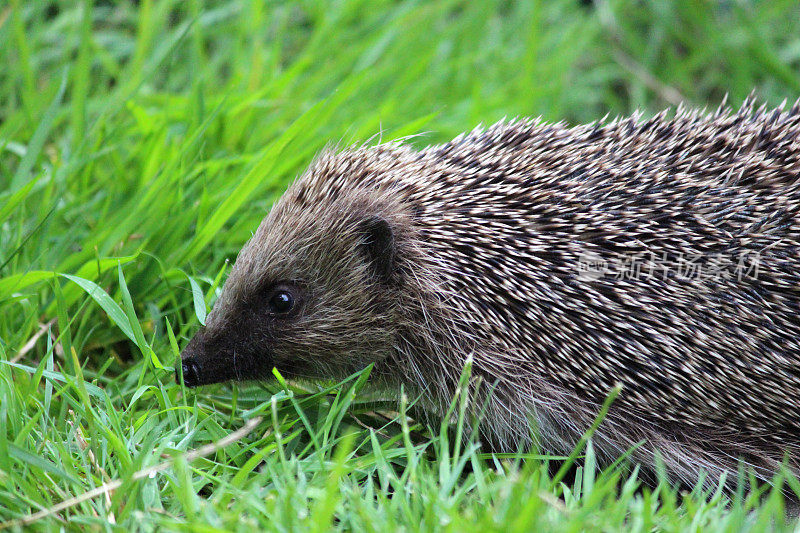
column 311, row 294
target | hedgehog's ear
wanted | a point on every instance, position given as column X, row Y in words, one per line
column 377, row 240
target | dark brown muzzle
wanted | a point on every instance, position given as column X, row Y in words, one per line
column 222, row 357
column 191, row 372
column 199, row 364
column 205, row 361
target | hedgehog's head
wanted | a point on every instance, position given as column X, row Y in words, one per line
column 314, row 291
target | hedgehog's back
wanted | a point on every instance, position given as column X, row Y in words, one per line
column 662, row 254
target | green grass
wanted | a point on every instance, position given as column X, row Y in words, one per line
column 140, row 145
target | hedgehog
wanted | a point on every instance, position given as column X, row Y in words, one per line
column 659, row 257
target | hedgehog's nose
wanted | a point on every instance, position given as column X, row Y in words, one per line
column 191, row 373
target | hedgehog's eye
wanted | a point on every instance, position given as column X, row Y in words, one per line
column 281, row 302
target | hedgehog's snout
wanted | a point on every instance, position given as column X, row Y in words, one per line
column 215, row 356
column 191, row 372
column 191, row 362
column 203, row 362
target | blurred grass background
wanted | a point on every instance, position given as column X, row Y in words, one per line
column 142, row 142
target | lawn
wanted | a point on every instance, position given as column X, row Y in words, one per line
column 140, row 145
